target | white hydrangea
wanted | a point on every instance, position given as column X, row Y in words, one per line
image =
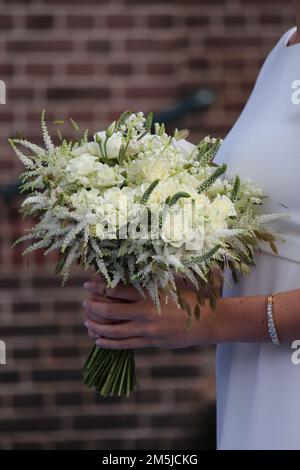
column 108, row 176
column 88, row 171
column 218, row 212
column 84, row 201
column 178, row 228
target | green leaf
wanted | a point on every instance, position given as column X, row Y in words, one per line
column 210, row 181
column 123, row 118
column 148, row 125
column 59, row 134
column 148, row 191
column 60, row 265
column 203, row 258
column 122, row 155
column 207, row 151
column 235, row 190
column 162, row 129
column 171, row 201
column 74, row 125
column 148, row 122
column 182, row 134
column 273, row 247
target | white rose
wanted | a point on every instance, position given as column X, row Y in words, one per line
column 107, row 176
column 86, row 201
column 148, row 170
column 218, row 211
column 90, row 147
column 113, row 144
column 119, row 197
column 81, row 166
column 177, row 229
column 184, row 147
column 118, row 204
column 223, row 206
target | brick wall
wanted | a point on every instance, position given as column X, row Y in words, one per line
column 91, row 60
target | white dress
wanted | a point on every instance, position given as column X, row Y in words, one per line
column 258, row 386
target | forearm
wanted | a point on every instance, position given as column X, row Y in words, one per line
column 244, row 319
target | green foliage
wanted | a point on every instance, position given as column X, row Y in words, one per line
column 236, row 188
column 210, row 181
column 122, row 119
column 74, row 125
column 207, row 151
column 149, row 191
column 172, row 200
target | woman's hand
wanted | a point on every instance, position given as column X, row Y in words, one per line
column 120, row 318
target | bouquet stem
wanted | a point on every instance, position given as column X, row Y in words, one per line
column 111, row 372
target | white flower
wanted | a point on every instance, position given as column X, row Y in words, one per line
column 184, row 147
column 110, row 146
column 107, row 176
column 178, row 228
column 148, row 170
column 119, row 197
column 86, row 201
column 217, row 213
column 88, row 171
column 81, row 166
column 90, row 147
column 118, row 205
column 223, row 206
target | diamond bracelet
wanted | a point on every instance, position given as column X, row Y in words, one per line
column 271, row 325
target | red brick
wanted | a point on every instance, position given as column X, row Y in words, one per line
column 6, row 69
column 120, row 21
column 160, row 21
column 80, row 21
column 29, row 46
column 143, row 92
column 98, row 45
column 164, row 68
column 81, row 69
column 39, row 21
column 76, row 93
column 120, row 69
column 39, row 69
column 6, row 21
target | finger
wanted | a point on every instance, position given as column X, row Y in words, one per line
column 116, row 311
column 128, row 343
column 103, row 299
column 119, row 292
column 92, row 335
column 116, row 331
column 91, row 316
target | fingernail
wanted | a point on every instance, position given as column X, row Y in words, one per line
column 86, row 324
column 86, row 285
column 99, row 342
column 84, row 304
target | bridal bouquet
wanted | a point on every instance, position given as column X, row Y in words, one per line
column 142, row 208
